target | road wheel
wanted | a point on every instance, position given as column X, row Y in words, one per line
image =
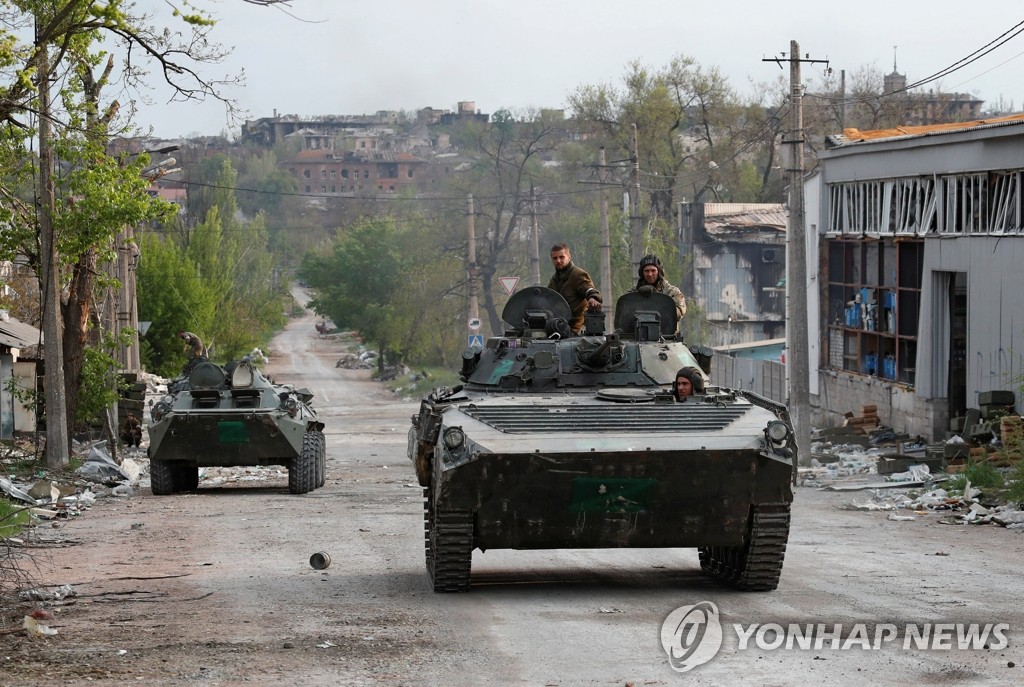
column 302, row 468
column 161, row 477
column 756, row 564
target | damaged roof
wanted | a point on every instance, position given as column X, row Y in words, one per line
column 15, row 334
column 854, row 136
column 745, row 222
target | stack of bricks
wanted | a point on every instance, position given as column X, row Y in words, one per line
column 865, row 422
column 1011, row 432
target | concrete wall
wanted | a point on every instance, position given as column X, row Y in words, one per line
column 898, row 406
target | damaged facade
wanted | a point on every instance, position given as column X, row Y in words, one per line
column 18, row 371
column 739, row 269
column 918, row 237
column 357, row 172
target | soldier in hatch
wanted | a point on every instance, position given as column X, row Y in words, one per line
column 689, row 381
column 575, row 285
column 652, row 280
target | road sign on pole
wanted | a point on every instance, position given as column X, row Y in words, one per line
column 474, row 324
column 509, row 284
column 476, row 341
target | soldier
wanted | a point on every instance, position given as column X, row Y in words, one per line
column 689, row 381
column 131, row 431
column 652, row 280
column 575, row 285
column 194, row 345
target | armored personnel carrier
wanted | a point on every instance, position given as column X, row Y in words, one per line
column 233, row 416
column 561, row 441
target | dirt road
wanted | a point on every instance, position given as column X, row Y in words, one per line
column 215, row 587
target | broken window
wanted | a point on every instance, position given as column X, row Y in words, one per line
column 961, row 204
column 872, row 307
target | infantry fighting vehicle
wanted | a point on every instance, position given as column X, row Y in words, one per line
column 233, row 416
column 561, row 441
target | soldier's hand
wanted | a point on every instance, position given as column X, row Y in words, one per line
column 646, row 289
column 594, row 304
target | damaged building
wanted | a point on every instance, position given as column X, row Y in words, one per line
column 738, row 270
column 915, row 240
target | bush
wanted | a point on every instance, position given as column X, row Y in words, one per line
column 1015, row 493
column 983, row 474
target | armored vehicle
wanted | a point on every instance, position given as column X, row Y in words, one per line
column 562, row 441
column 233, row 416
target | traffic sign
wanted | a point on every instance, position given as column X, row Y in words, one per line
column 474, row 324
column 509, row 283
column 476, row 341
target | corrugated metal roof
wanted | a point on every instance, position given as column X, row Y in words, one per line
column 857, row 136
column 17, row 334
column 744, row 220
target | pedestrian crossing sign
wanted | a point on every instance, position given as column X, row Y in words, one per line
column 476, row 341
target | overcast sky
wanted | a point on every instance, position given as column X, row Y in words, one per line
column 320, row 57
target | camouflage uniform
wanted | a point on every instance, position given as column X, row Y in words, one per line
column 661, row 286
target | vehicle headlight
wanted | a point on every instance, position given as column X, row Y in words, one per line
column 454, row 438
column 778, row 433
column 290, row 406
column 159, row 410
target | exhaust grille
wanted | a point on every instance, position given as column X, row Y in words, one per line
column 661, row 418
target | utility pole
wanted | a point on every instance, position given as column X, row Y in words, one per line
column 474, row 307
column 606, row 242
column 797, row 356
column 842, row 99
column 57, row 444
column 635, row 228
column 534, row 239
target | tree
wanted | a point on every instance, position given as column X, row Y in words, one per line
column 510, row 163
column 95, row 195
column 695, row 137
column 357, row 284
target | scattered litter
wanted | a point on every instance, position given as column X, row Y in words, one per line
column 36, row 629
column 326, row 644
column 914, row 473
column 100, row 467
column 42, row 594
column 44, row 490
column 901, row 518
column 609, row 610
column 14, row 492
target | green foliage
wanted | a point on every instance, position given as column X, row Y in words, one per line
column 13, row 519
column 170, row 298
column 983, row 474
column 100, row 384
column 358, row 283
column 1015, row 491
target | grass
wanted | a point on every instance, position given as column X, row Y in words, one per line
column 981, row 475
column 434, row 377
column 1015, row 492
column 13, row 519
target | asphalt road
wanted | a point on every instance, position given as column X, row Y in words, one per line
column 245, row 607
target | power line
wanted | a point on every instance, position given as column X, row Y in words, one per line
column 984, row 50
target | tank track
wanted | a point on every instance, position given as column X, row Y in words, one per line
column 448, row 543
column 757, row 564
